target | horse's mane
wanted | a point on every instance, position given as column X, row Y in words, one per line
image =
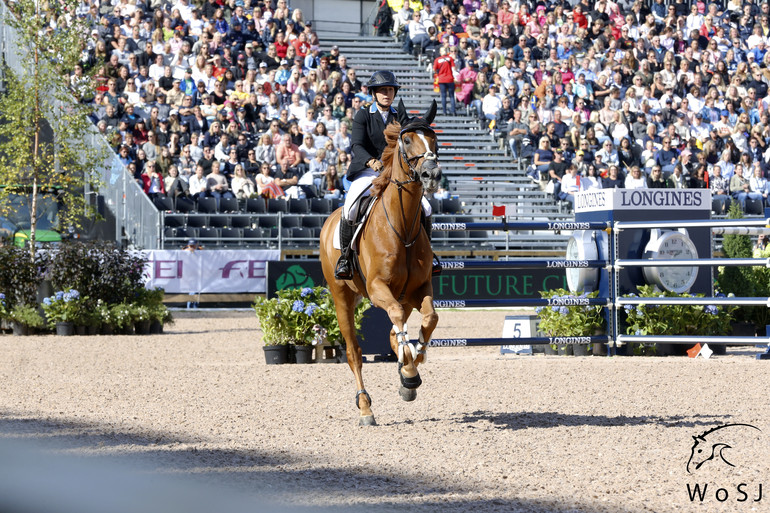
column 388, row 158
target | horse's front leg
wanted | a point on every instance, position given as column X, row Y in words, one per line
column 429, row 322
column 345, row 304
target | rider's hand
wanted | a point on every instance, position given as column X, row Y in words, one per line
column 376, row 165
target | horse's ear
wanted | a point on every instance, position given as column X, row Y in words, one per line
column 430, row 114
column 403, row 117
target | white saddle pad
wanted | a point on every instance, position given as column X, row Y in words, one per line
column 354, row 244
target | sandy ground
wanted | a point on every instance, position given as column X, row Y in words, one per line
column 487, row 432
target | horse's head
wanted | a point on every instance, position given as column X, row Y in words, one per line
column 703, row 451
column 418, row 147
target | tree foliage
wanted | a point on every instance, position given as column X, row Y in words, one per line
column 44, row 131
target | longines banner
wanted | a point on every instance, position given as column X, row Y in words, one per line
column 209, row 272
column 454, row 284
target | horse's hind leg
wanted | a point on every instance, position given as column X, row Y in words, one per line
column 345, row 304
column 429, row 322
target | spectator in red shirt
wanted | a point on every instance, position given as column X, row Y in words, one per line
column 443, row 67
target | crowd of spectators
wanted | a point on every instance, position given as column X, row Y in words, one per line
column 599, row 94
column 222, row 99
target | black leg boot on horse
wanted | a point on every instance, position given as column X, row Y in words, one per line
column 427, row 225
column 344, row 268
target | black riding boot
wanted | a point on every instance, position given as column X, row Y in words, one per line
column 344, row 271
column 427, row 225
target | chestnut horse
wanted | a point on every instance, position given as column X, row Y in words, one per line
column 394, row 254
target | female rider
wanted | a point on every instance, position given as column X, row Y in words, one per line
column 368, row 143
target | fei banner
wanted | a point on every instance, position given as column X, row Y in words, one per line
column 209, row 271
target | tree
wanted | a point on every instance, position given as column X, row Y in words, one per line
column 44, row 130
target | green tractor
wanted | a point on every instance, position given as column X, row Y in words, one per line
column 15, row 222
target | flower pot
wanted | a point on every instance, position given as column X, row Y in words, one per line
column 128, row 329
column 599, row 349
column 342, row 355
column 142, row 327
column 20, row 330
column 580, row 350
column 276, row 355
column 303, row 354
column 81, row 330
column 549, row 349
column 93, row 329
column 108, row 329
column 65, row 329
column 565, row 350
column 156, row 328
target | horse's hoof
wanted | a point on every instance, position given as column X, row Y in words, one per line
column 411, row 383
column 407, row 394
column 367, row 420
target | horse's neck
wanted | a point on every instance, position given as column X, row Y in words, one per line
column 403, row 203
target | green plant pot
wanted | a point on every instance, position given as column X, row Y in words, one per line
column 599, row 349
column 142, row 327
column 550, row 350
column 127, row 330
column 108, row 329
column 565, row 350
column 303, row 354
column 276, row 355
column 81, row 330
column 93, row 329
column 65, row 329
column 20, row 330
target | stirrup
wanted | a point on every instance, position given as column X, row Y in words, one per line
column 343, row 271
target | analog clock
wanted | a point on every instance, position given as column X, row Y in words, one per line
column 671, row 245
column 582, row 246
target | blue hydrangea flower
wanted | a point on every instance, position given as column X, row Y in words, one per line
column 74, row 294
column 638, row 332
column 67, row 297
column 311, row 308
column 306, row 292
column 298, row 306
column 629, row 308
column 538, row 309
column 563, row 310
column 47, row 301
column 2, row 296
column 555, row 308
column 720, row 294
column 59, row 295
column 711, row 309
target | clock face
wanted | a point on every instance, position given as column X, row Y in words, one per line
column 582, row 246
column 673, row 246
column 573, row 273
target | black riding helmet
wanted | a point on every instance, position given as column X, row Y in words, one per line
column 383, row 78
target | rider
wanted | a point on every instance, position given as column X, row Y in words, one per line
column 368, row 143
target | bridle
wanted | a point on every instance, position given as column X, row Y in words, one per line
column 414, row 176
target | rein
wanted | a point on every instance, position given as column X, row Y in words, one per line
column 400, row 184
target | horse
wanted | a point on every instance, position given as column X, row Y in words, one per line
column 394, row 255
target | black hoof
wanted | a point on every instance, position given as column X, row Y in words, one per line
column 410, row 383
column 367, row 420
column 407, row 394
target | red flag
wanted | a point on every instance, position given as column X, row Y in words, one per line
column 498, row 211
column 693, row 351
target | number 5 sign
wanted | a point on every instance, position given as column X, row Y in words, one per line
column 517, row 326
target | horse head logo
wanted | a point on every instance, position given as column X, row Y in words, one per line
column 712, row 445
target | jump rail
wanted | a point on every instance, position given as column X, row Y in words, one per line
column 614, row 302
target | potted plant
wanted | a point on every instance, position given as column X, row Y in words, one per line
column 25, row 319
column 120, row 314
column 140, row 314
column 651, row 319
column 568, row 318
column 3, row 311
column 301, row 318
column 103, row 314
column 63, row 310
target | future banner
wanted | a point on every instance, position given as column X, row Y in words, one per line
column 209, row 272
column 454, row 284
